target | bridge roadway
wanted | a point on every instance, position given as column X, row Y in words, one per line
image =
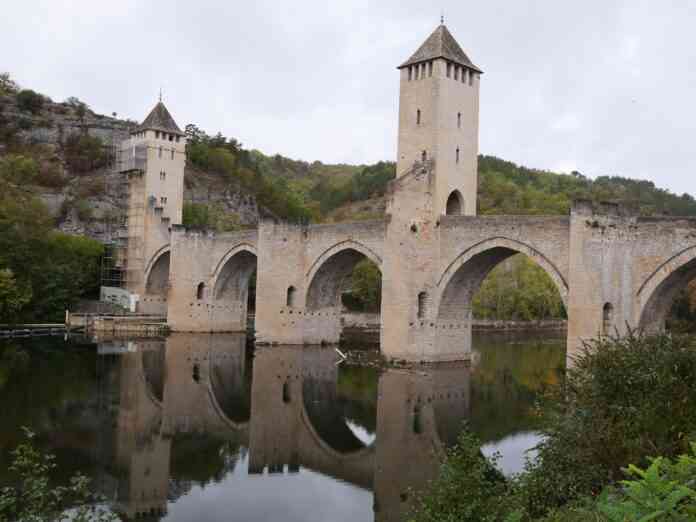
column 612, row 269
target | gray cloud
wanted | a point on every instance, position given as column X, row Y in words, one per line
column 602, row 87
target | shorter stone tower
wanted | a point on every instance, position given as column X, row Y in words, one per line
column 153, row 158
column 439, row 120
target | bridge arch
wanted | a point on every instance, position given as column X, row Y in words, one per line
column 233, row 274
column 329, row 273
column 659, row 290
column 157, row 272
column 463, row 277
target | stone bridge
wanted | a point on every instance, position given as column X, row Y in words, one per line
column 612, row 267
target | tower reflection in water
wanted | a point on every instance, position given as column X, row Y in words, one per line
column 195, row 409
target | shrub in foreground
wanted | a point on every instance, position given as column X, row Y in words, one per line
column 622, row 400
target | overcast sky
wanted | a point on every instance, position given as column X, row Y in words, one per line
column 604, row 87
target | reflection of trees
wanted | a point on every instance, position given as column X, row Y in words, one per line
column 201, row 458
column 507, row 380
column 357, row 389
column 50, row 387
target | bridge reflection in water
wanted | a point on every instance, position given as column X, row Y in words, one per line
column 197, row 409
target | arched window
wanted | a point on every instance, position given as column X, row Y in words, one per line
column 457, row 155
column 200, row 291
column 607, row 318
column 196, row 372
column 459, row 120
column 454, row 204
column 286, row 392
column 418, row 117
column 422, row 304
column 290, row 298
column 424, row 156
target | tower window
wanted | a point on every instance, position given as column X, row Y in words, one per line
column 177, row 139
column 200, row 291
column 607, row 318
column 290, row 298
column 171, row 137
column 430, row 68
column 456, row 72
column 163, row 175
column 410, row 73
column 457, row 156
column 465, row 72
column 459, row 120
column 449, row 70
column 163, row 200
column 424, row 156
column 422, row 304
column 418, row 117
column 172, row 153
column 417, row 70
column 157, row 134
column 471, row 78
column 160, row 152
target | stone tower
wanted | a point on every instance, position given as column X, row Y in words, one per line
column 439, row 120
column 153, row 158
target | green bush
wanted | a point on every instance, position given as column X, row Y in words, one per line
column 84, row 153
column 622, row 400
column 35, row 499
column 31, row 101
column 469, row 488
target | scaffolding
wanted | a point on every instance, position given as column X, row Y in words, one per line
column 122, row 261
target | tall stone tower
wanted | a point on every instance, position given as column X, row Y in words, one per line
column 153, row 158
column 439, row 120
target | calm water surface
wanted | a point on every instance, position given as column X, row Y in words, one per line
column 202, row 427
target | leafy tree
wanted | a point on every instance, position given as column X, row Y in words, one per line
column 31, row 101
column 84, row 153
column 34, row 499
column 13, row 296
column 7, row 84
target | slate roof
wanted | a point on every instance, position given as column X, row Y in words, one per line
column 160, row 119
column 440, row 44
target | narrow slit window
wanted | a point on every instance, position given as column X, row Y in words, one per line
column 471, row 78
column 160, row 152
column 200, row 291
column 465, row 73
column 418, row 117
column 459, row 120
column 457, row 155
column 424, row 156
column 456, row 73
column 290, row 297
column 449, row 70
column 286, row 392
column 607, row 318
column 430, row 69
column 410, row 73
column 172, row 153
column 422, row 304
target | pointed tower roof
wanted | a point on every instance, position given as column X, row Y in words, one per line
column 160, row 119
column 440, row 44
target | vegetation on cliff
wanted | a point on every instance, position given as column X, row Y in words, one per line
column 41, row 271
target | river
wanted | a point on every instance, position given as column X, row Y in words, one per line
column 206, row 428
